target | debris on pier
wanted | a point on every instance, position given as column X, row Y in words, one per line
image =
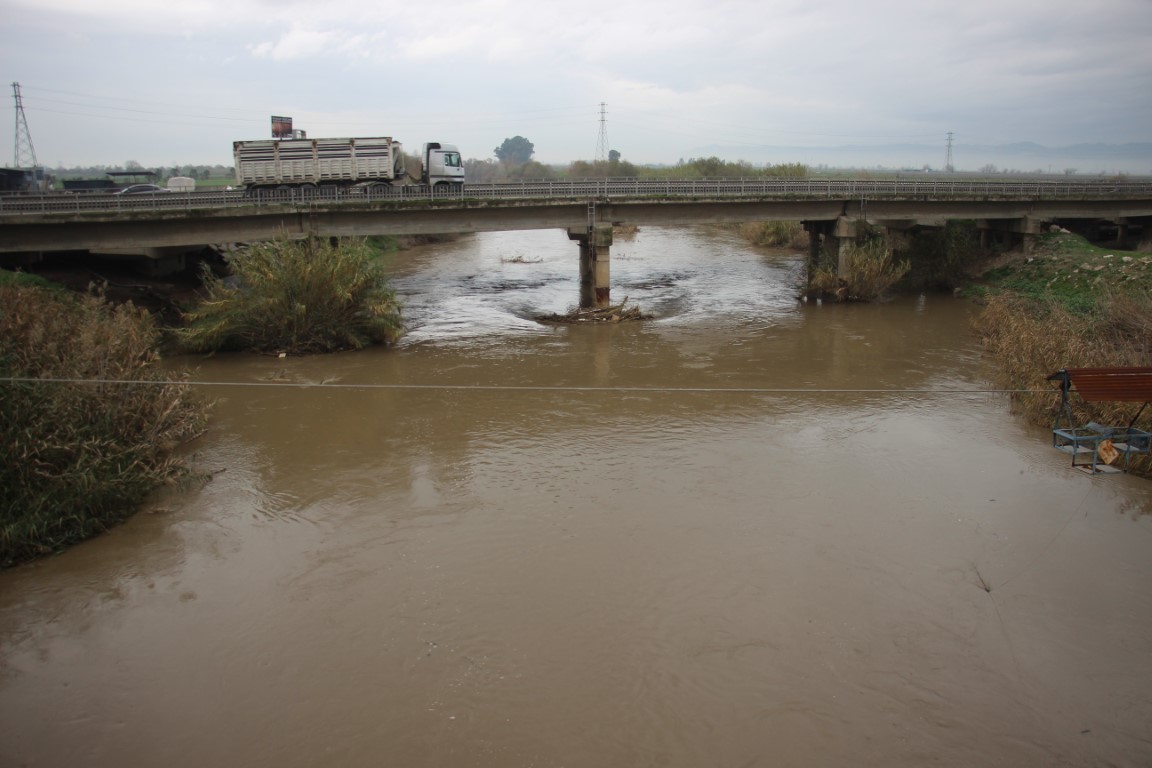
column 615, row 314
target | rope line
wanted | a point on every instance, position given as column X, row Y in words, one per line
column 525, row 388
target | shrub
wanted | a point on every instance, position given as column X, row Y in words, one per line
column 79, row 457
column 296, row 296
column 774, row 233
column 869, row 273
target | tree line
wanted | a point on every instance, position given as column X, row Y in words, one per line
column 513, row 160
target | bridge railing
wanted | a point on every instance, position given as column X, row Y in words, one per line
column 582, row 189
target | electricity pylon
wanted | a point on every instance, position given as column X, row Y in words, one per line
column 602, row 142
column 25, row 152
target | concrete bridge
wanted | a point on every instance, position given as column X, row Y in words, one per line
column 164, row 226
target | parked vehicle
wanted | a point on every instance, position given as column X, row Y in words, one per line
column 346, row 162
column 137, row 189
column 181, row 184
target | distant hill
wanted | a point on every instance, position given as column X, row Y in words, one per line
column 1090, row 159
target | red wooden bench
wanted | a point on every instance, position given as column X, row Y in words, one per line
column 1101, row 444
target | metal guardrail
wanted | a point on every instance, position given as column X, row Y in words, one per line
column 595, row 189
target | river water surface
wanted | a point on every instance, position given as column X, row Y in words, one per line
column 747, row 532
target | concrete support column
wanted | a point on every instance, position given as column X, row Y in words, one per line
column 595, row 265
column 1030, row 229
column 1122, row 231
column 587, row 276
column 845, row 233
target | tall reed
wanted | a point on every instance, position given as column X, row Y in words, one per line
column 299, row 296
column 1031, row 339
column 81, row 448
column 774, row 233
column 870, row 272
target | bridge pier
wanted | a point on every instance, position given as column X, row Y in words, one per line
column 844, row 233
column 1027, row 229
column 829, row 239
column 595, row 264
column 153, row 262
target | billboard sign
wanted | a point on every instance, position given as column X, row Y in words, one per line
column 281, row 127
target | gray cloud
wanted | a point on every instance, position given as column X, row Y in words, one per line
column 161, row 82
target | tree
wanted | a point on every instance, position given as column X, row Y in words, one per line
column 515, row 151
column 613, row 156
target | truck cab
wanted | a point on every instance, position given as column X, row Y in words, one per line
column 441, row 164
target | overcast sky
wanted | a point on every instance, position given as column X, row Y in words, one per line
column 165, row 81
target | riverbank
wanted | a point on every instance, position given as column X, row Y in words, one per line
column 1067, row 304
column 1066, row 268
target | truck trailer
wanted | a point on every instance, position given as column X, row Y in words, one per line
column 345, row 162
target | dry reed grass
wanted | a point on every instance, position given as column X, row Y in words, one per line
column 777, row 234
column 81, row 456
column 870, row 272
column 1032, row 339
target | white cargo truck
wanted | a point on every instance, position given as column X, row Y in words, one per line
column 347, row 162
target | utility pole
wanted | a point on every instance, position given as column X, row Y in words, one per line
column 25, row 155
column 602, row 142
column 948, row 155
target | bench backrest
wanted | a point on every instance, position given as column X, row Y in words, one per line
column 1128, row 385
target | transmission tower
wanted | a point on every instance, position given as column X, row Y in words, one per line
column 25, row 152
column 602, row 142
column 948, row 155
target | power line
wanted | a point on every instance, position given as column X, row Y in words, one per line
column 214, row 112
column 523, row 388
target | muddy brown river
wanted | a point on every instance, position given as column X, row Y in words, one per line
column 747, row 532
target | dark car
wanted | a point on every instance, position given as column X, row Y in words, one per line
column 139, row 188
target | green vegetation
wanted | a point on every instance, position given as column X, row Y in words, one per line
column 696, row 168
column 1070, row 270
column 614, row 168
column 715, row 168
column 299, row 296
column 515, row 151
column 10, row 278
column 81, row 457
